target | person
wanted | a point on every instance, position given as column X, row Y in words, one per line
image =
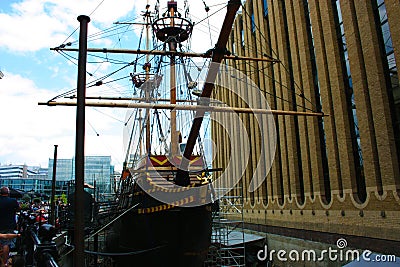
column 88, row 202
column 9, row 236
column 8, row 209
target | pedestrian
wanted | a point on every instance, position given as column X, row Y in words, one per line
column 8, row 209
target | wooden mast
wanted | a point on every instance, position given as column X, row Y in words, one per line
column 172, row 48
column 147, row 91
column 186, row 107
column 164, row 53
column 79, row 220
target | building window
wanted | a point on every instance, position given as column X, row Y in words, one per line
column 265, row 5
column 242, row 37
column 253, row 23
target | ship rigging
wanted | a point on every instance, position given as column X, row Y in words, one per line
column 166, row 191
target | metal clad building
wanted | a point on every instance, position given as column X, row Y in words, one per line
column 97, row 168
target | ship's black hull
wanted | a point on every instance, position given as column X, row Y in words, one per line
column 174, row 237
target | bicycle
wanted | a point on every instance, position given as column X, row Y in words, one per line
column 35, row 247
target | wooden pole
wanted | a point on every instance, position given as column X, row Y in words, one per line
column 147, row 92
column 53, row 189
column 79, row 224
column 136, row 99
column 163, row 53
column 189, row 107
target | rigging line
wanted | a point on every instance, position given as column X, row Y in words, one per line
column 132, row 20
column 197, row 23
column 69, row 58
column 224, row 3
column 198, row 68
column 103, row 83
column 130, row 141
column 137, row 56
column 78, row 26
column 256, row 70
column 89, row 84
column 105, row 61
column 130, row 117
column 269, row 93
column 280, row 62
column 151, row 131
column 69, row 36
column 90, row 74
column 112, row 221
column 204, row 31
column 302, row 96
column 108, row 115
column 119, row 37
column 164, row 141
column 209, row 30
column 195, row 65
column 141, row 134
column 102, row 78
column 201, row 150
column 131, row 137
column 260, row 32
column 278, row 97
column 91, row 126
column 206, row 128
column 101, row 32
column 103, row 143
column 102, row 37
column 111, row 60
column 96, row 7
column 215, row 29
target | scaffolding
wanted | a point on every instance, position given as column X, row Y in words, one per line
column 227, row 239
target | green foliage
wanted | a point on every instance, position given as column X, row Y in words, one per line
column 26, row 198
column 64, row 198
column 36, row 200
column 24, row 206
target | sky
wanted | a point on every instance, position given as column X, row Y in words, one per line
column 33, row 73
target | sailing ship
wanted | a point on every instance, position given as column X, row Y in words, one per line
column 166, row 197
column 165, row 193
column 165, row 227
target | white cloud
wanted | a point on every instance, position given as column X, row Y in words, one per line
column 29, row 131
column 34, row 25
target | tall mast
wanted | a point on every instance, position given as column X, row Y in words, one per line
column 173, row 29
column 147, row 69
column 172, row 47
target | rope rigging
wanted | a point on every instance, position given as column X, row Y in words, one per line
column 187, row 82
column 296, row 86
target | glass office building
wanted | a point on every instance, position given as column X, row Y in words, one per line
column 30, row 179
column 98, row 170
